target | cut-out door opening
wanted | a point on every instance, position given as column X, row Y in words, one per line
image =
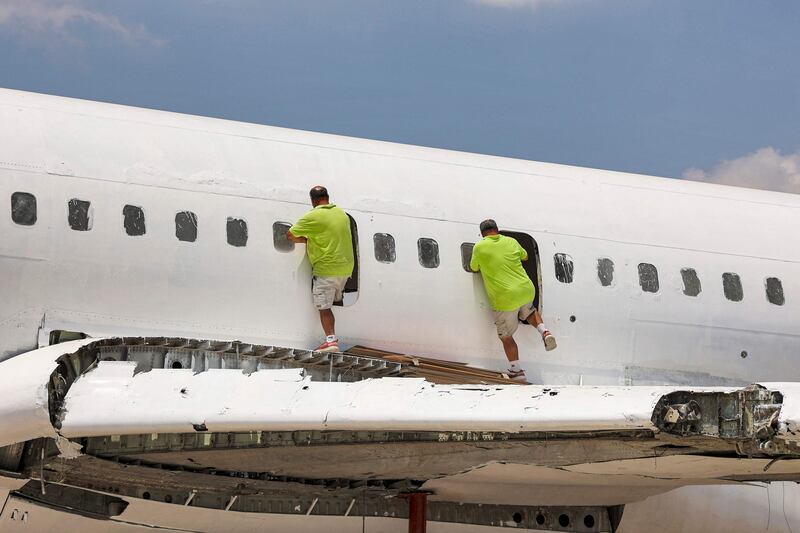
column 532, row 266
column 350, row 293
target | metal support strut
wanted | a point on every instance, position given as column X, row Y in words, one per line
column 417, row 512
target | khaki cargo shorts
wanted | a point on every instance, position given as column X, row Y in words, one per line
column 507, row 322
column 327, row 290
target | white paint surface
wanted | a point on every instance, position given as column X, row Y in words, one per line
column 110, row 400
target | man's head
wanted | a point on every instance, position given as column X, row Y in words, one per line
column 319, row 195
column 488, row 227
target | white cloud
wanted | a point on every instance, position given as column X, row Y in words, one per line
column 54, row 19
column 763, row 169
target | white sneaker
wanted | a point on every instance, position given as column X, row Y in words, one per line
column 549, row 341
column 516, row 374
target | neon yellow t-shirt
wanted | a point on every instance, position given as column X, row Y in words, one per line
column 498, row 259
column 330, row 244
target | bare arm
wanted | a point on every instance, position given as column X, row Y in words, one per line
column 300, row 240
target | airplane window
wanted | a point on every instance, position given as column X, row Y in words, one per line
column 186, row 226
column 23, row 208
column 428, row 250
column 691, row 283
column 648, row 277
column 466, row 255
column 279, row 240
column 564, row 267
column 79, row 215
column 133, row 220
column 384, row 248
column 237, row 232
column 605, row 271
column 775, row 291
column 732, row 285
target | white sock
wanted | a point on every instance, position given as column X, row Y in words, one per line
column 541, row 328
column 331, row 338
column 515, row 366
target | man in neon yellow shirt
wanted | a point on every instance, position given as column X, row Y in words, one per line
column 325, row 230
column 510, row 290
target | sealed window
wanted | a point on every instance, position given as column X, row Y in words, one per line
column 428, row 250
column 466, row 255
column 732, row 285
column 605, row 271
column 279, row 239
column 237, row 232
column 775, row 291
column 186, row 226
column 384, row 248
column 79, row 215
column 648, row 277
column 23, row 208
column 564, row 267
column 691, row 283
column 133, row 220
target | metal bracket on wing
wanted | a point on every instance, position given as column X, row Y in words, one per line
column 749, row 417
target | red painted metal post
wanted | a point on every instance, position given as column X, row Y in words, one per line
column 417, row 512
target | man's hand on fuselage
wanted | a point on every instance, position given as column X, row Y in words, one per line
column 299, row 240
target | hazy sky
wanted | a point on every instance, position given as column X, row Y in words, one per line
column 704, row 89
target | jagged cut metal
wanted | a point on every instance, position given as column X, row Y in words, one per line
column 747, row 416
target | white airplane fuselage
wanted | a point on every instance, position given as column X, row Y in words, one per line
column 104, row 282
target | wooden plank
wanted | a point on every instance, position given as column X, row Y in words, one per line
column 438, row 370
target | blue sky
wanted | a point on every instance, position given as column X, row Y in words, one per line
column 702, row 89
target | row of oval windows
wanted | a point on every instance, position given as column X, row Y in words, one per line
column 648, row 279
column 23, row 212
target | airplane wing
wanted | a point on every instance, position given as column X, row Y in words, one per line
column 233, row 426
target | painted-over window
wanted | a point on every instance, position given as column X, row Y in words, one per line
column 133, row 220
column 466, row 255
column 691, row 283
column 732, row 286
column 236, row 231
column 384, row 248
column 648, row 277
column 774, row 289
column 564, row 267
column 23, row 208
column 186, row 226
column 428, row 251
column 605, row 271
column 79, row 214
column 279, row 239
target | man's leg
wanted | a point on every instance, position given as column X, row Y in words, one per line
column 506, row 322
column 535, row 319
column 511, row 349
column 324, row 291
column 328, row 321
column 512, row 354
